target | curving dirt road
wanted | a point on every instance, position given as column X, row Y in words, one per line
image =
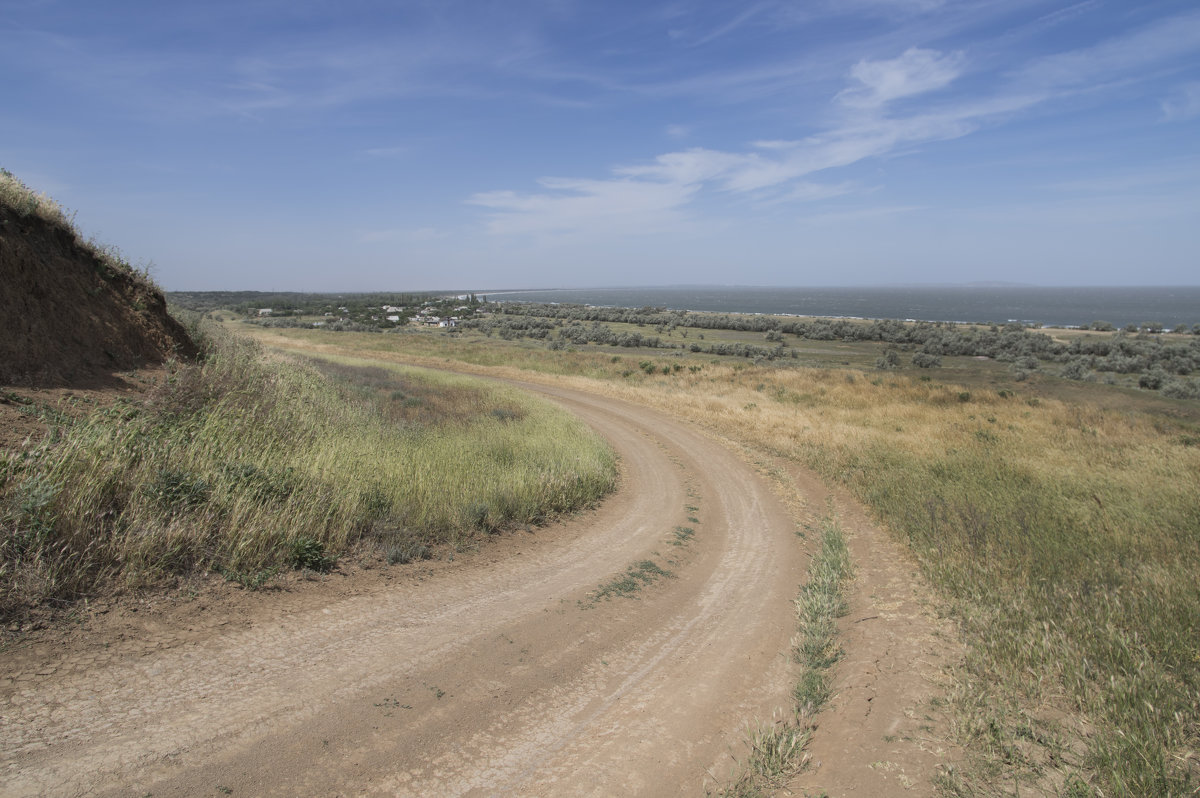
column 482, row 679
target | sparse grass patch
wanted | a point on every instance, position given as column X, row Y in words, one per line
column 633, row 580
column 821, row 602
column 777, row 748
column 682, row 535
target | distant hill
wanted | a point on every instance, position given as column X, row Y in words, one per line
column 70, row 311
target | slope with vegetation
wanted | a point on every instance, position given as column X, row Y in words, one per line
column 1061, row 528
column 235, row 461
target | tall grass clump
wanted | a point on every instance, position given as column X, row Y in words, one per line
column 243, row 463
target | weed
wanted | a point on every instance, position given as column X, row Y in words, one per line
column 777, row 749
column 683, row 534
column 634, row 579
column 309, row 553
column 249, row 581
column 174, row 489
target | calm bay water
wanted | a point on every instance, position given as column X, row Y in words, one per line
column 1059, row 307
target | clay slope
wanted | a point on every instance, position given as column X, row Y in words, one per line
column 70, row 316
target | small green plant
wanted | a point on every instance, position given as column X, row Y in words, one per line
column 249, row 580
column 174, row 489
column 308, row 553
column 479, row 515
column 634, row 579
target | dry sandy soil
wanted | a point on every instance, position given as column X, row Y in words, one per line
column 499, row 673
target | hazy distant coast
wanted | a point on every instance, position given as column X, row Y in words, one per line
column 1052, row 307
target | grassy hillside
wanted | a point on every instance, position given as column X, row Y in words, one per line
column 244, row 463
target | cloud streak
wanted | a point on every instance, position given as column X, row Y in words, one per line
column 783, row 170
column 915, row 72
column 642, row 195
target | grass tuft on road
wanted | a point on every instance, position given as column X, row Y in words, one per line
column 777, row 748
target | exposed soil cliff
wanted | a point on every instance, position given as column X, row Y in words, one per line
column 69, row 315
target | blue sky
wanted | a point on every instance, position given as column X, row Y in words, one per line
column 359, row 145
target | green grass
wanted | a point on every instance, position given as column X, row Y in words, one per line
column 777, row 748
column 245, row 463
column 628, row 584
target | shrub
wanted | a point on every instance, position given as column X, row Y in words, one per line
column 408, row 551
column 1076, row 369
column 1181, row 389
column 1153, row 379
column 309, row 553
column 889, row 360
column 925, row 360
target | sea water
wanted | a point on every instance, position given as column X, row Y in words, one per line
column 1052, row 307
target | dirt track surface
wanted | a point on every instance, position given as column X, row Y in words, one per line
column 482, row 679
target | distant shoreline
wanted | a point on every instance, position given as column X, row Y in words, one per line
column 1056, row 307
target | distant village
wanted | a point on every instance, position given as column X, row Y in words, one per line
column 444, row 312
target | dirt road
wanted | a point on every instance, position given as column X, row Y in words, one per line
column 501, row 678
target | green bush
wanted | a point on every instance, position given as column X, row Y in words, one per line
column 309, row 553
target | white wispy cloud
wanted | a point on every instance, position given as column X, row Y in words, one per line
column 919, row 81
column 641, row 196
column 917, row 71
column 1184, row 103
column 617, row 206
column 729, row 27
column 1119, row 56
